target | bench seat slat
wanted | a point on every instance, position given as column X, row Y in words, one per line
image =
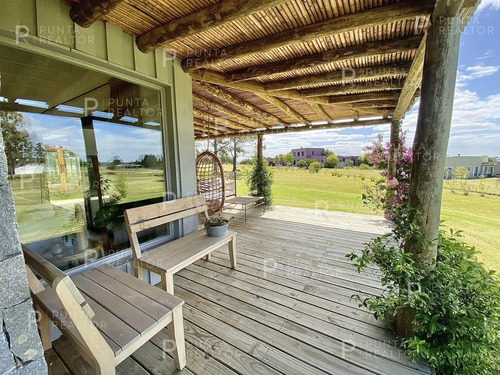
column 168, row 300
column 117, row 306
column 111, row 327
column 185, row 250
column 140, row 301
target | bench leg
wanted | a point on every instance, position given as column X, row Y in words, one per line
column 232, row 251
column 137, row 270
column 208, row 256
column 167, row 282
column 175, row 331
column 43, row 328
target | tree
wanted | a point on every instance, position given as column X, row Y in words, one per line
column 277, row 159
column 228, row 149
column 288, row 159
column 304, row 163
column 314, row 167
column 327, row 152
column 115, row 162
column 19, row 148
column 331, row 161
column 377, row 154
column 237, row 146
column 260, row 181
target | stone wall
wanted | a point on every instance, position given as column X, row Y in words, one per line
column 21, row 350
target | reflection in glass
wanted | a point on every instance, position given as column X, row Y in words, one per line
column 78, row 162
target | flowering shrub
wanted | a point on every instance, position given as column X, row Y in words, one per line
column 455, row 303
column 387, row 195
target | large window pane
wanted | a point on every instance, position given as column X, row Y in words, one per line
column 82, row 147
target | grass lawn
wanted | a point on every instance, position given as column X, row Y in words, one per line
column 478, row 217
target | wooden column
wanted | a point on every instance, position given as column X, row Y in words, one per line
column 433, row 131
column 260, row 148
column 394, row 149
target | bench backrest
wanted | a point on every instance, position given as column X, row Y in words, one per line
column 53, row 276
column 153, row 215
column 76, row 312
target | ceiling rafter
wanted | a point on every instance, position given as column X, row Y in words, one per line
column 86, row 12
column 332, row 56
column 258, row 88
column 368, row 18
column 364, row 97
column 228, row 111
column 356, row 88
column 344, row 76
column 296, row 129
column 205, row 19
column 281, row 105
column 235, row 100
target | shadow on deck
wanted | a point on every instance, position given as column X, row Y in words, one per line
column 286, row 309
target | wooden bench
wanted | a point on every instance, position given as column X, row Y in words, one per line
column 106, row 313
column 171, row 257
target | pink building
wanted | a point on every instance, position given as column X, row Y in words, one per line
column 308, row 153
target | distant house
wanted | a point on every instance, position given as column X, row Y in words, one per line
column 348, row 161
column 476, row 165
column 308, row 153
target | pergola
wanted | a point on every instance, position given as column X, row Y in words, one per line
column 274, row 66
column 256, row 67
column 280, row 66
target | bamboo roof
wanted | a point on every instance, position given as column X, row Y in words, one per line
column 265, row 65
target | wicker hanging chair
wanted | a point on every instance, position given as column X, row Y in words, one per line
column 210, row 181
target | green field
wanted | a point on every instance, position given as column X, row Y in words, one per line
column 477, row 216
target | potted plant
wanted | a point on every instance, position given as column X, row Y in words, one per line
column 216, row 226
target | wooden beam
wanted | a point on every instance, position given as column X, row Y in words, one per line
column 338, row 55
column 412, row 82
column 353, row 88
column 258, row 88
column 240, row 103
column 283, row 107
column 395, row 143
column 431, row 138
column 203, row 124
column 205, row 116
column 296, row 129
column 228, row 111
column 321, row 112
column 344, row 76
column 205, row 19
column 86, row 12
column 359, row 20
column 376, row 104
column 341, row 99
column 260, row 148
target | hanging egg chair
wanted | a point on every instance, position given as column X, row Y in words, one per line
column 210, row 181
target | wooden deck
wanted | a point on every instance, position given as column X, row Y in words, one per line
column 286, row 308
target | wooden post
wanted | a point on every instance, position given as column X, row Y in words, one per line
column 432, row 133
column 394, row 149
column 62, row 169
column 260, row 148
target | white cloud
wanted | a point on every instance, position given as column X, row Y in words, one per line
column 494, row 4
column 474, row 72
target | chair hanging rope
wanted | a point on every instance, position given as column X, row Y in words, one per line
column 210, row 181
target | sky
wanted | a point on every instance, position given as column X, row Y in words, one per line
column 127, row 142
column 475, row 128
